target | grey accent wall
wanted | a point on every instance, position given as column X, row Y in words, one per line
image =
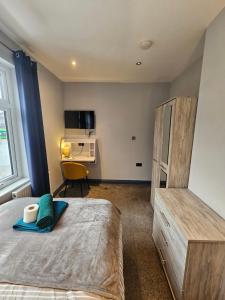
column 122, row 111
column 188, row 83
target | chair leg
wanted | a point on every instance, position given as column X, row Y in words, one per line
column 66, row 184
column 81, row 189
column 87, row 183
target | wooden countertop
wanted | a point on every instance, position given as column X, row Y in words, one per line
column 195, row 219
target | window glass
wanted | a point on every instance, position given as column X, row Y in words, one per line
column 8, row 128
column 1, row 94
column 6, row 166
column 3, row 86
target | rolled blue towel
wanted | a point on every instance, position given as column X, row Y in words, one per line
column 45, row 215
column 58, row 206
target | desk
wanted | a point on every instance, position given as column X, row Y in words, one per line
column 80, row 149
column 79, row 159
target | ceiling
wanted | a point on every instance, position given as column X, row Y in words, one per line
column 102, row 36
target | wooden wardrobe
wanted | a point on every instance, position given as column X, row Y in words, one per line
column 173, row 140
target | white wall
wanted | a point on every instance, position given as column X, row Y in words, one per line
column 4, row 52
column 207, row 177
column 122, row 111
column 51, row 92
column 7, row 58
column 188, row 83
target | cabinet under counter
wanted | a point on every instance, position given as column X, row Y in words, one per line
column 190, row 239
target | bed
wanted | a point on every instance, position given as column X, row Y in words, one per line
column 80, row 259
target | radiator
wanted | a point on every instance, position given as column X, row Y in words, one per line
column 23, row 191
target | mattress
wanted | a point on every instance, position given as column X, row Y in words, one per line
column 22, row 291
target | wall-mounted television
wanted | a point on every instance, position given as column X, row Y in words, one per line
column 79, row 119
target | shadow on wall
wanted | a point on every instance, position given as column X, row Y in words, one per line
column 198, row 50
column 95, row 169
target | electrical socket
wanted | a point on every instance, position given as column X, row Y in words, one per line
column 139, row 164
column 81, row 144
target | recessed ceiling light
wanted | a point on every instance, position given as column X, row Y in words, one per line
column 74, row 63
column 145, row 44
column 138, row 63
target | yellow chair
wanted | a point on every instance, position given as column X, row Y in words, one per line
column 73, row 171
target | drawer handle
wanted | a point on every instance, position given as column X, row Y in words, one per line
column 163, row 261
column 164, row 238
column 165, row 219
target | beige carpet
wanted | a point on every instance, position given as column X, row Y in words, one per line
column 143, row 274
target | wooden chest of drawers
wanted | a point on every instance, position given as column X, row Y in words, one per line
column 190, row 239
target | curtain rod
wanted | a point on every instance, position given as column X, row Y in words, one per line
column 3, row 44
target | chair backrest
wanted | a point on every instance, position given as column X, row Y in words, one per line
column 73, row 171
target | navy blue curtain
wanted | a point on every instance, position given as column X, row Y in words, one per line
column 27, row 79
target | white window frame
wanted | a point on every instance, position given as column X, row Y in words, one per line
column 11, row 107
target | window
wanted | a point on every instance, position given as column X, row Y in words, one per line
column 9, row 171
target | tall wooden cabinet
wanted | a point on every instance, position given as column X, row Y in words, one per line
column 173, row 140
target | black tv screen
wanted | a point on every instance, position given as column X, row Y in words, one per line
column 79, row 119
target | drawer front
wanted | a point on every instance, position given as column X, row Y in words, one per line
column 174, row 267
column 172, row 250
column 172, row 278
column 156, row 232
column 161, row 246
column 172, row 232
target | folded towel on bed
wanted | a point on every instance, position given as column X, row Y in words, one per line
column 58, row 207
column 45, row 215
